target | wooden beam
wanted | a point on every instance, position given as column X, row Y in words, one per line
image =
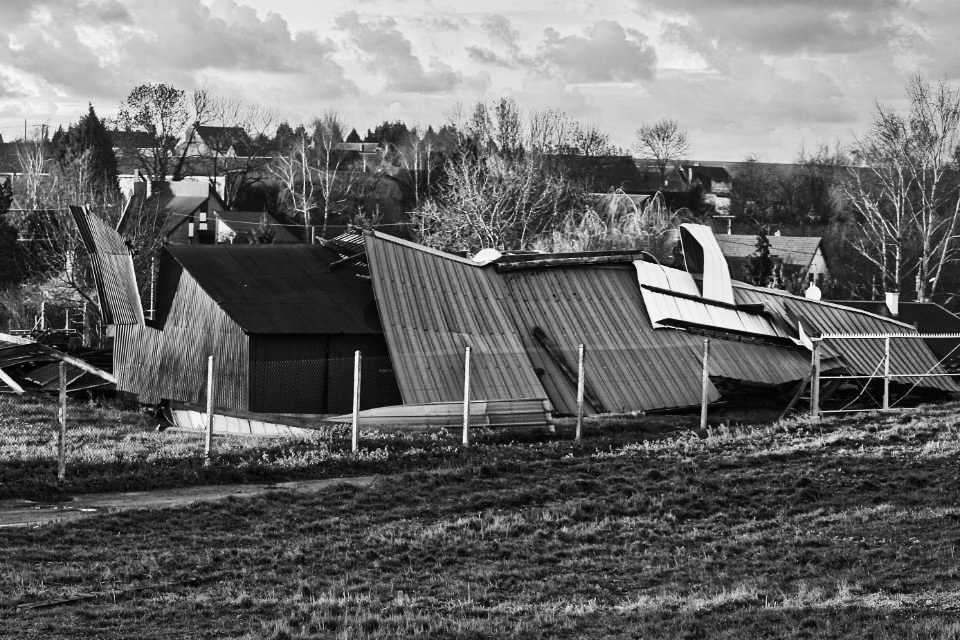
column 547, row 343
column 59, row 355
column 10, row 382
column 796, row 396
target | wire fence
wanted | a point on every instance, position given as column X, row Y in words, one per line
column 341, row 401
column 879, row 372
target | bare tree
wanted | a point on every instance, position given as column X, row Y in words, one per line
column 161, row 111
column 487, row 200
column 908, row 204
column 663, row 142
column 293, row 169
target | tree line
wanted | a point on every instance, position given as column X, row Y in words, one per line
column 495, row 175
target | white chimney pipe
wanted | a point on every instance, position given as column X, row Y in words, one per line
column 893, row 303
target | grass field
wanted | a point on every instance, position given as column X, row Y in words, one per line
column 846, row 529
column 111, row 448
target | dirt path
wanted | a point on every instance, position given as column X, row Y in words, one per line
column 26, row 513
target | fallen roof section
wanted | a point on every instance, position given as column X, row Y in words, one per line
column 432, row 306
column 860, row 356
column 113, row 271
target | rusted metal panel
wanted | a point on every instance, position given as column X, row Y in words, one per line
column 113, row 271
column 858, row 356
column 432, row 306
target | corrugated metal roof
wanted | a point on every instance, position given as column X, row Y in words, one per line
column 270, row 289
column 703, row 257
column 433, row 305
column 630, row 365
column 657, row 283
column 858, row 356
column 113, row 270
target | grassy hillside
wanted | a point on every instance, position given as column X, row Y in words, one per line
column 845, row 529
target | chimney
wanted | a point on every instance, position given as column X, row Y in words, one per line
column 893, row 303
column 776, row 233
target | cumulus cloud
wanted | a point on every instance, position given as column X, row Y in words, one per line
column 790, row 26
column 388, row 51
column 103, row 48
column 605, row 52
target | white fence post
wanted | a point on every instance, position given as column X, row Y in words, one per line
column 356, row 402
column 580, row 388
column 62, row 415
column 815, row 380
column 208, row 445
column 466, row 397
column 886, row 373
column 705, row 384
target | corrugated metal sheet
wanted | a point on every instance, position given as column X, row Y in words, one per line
column 112, row 269
column 630, row 365
column 282, row 289
column 672, row 310
column 860, row 356
column 172, row 363
column 703, row 257
column 434, row 305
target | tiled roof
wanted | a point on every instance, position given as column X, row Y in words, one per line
column 793, row 250
column 221, row 139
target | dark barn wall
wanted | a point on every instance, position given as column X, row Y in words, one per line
column 296, row 373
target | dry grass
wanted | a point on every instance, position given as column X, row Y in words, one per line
column 844, row 529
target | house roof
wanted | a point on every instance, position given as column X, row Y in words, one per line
column 222, row 139
column 132, row 139
column 714, row 173
column 281, row 289
column 177, row 202
column 250, row 220
column 793, row 250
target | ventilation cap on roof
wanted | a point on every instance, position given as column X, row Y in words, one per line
column 486, row 255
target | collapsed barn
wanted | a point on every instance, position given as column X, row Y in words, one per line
column 281, row 321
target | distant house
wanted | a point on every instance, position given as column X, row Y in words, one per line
column 713, row 179
column 797, row 256
column 225, row 142
column 186, row 210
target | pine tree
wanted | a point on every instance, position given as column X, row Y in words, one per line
column 86, row 147
column 761, row 264
column 11, row 272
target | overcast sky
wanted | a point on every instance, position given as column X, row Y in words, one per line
column 746, row 77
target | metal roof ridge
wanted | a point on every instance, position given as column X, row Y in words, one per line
column 379, row 235
column 787, row 294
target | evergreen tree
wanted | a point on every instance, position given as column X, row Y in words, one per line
column 284, row 136
column 761, row 264
column 353, row 136
column 11, row 272
column 87, row 150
